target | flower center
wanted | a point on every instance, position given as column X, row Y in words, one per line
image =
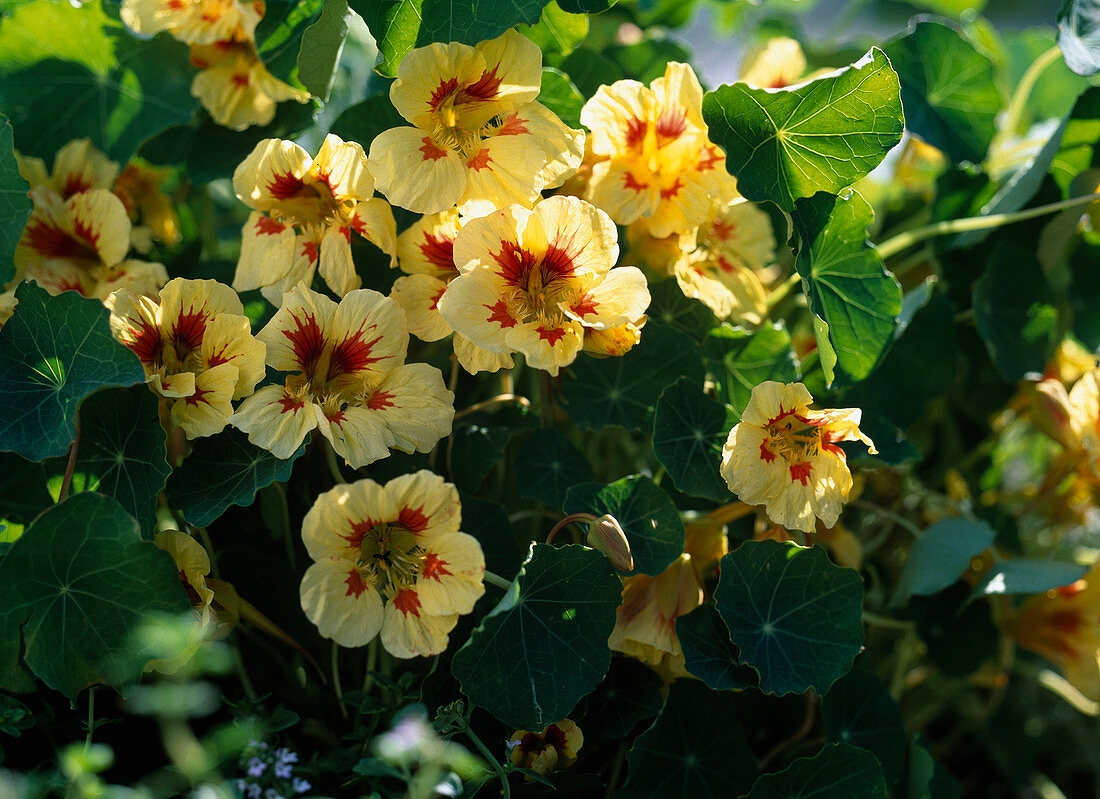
column 390, row 556
column 794, row 438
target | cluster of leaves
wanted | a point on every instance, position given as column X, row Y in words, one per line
column 928, row 334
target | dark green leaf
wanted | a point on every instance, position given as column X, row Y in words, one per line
column 547, row 465
column 928, row 779
column 280, row 33
column 478, row 442
column 363, row 121
column 646, row 60
column 650, row 520
column 560, row 95
column 488, row 523
column 689, row 429
column 960, row 636
column 695, row 750
column 1079, row 35
column 586, row 6
column 121, row 452
column 623, row 391
column 709, row 654
column 1084, row 293
column 848, row 287
column 951, row 99
column 630, row 693
column 74, row 589
column 1078, row 147
column 589, row 70
column 795, row 616
column 1014, row 311
column 23, row 493
column 221, row 471
column 557, row 32
column 15, row 205
column 940, row 555
column 738, row 360
column 321, row 46
column 68, row 71
column 670, row 307
column 838, row 771
column 819, row 136
column 545, row 645
column 858, row 710
column 1028, row 576
column 55, row 352
column 14, row 716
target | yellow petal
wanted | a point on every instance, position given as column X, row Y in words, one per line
column 345, row 607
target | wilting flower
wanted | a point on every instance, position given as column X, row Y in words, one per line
column 786, row 457
column 553, row 748
column 215, row 603
column 655, row 160
column 304, row 213
column 1063, row 625
column 349, row 380
column 478, row 138
column 193, row 21
column 235, row 86
column 534, row 281
column 390, row 559
column 196, row 347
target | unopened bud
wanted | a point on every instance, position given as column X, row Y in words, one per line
column 1052, row 413
column 606, row 535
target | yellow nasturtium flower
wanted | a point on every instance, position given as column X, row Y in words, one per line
column 235, row 87
column 77, row 167
column 535, row 281
column 479, row 140
column 655, row 161
column 349, row 380
column 778, row 63
column 304, row 212
column 551, row 749
column 784, row 455
column 193, row 21
column 196, row 347
column 390, row 560
column 139, row 189
column 1072, row 418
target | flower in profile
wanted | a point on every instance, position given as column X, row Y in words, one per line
column 479, row 139
column 1063, row 625
column 235, row 86
column 196, row 347
column 139, row 188
column 304, row 212
column 390, row 561
column 1072, row 418
column 348, row 379
column 551, row 749
column 77, row 167
column 785, row 456
column 193, row 21
column 653, row 158
column 535, row 281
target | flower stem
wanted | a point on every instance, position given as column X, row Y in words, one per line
column 495, row 579
column 330, row 458
column 336, row 679
column 505, row 788
column 91, row 718
column 70, row 466
column 1015, row 112
column 499, row 399
column 780, row 292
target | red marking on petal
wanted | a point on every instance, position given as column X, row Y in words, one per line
column 486, row 88
column 346, row 232
column 721, row 229
column 74, row 184
column 240, row 79
column 413, row 519
column 356, row 584
column 379, row 400
column 499, row 313
column 286, row 186
column 632, row 183
column 439, row 251
column 407, row 601
column 711, row 158
column 515, row 263
column 290, row 404
column 671, row 125
column 634, row 134
column 766, row 454
column 480, row 160
column 725, row 265
column 783, row 414
column 827, row 443
column 267, row 226
column 551, row 335
column 198, row 396
column 673, row 190
column 310, row 251
column 584, row 306
column 219, row 357
column 558, row 261
column 435, row 300
column 307, row 341
column 432, row 152
column 188, row 330
column 85, row 231
column 52, row 242
column 513, row 126
column 442, row 92
column 352, row 355
column 434, row 568
column 146, row 342
column 175, row 5
column 800, row 472
column 358, row 530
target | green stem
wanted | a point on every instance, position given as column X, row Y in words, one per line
column 889, row 514
column 616, row 770
column 336, row 679
column 780, row 292
column 330, row 458
column 497, row 580
column 242, row 673
column 903, row 241
column 875, row 620
column 91, row 718
column 1017, row 105
column 499, row 399
column 372, row 664
column 506, row 789
column 70, row 466
column 284, row 519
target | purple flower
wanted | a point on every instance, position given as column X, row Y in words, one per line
column 256, row 767
column 300, row 786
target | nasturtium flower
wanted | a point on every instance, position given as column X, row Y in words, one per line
column 139, row 189
column 778, row 63
column 235, row 86
column 785, row 456
column 479, row 140
column 1072, row 418
column 196, row 347
column 655, row 160
column 349, row 380
column 304, row 211
column 77, row 167
column 551, row 749
column 533, row 281
column 194, row 21
column 390, row 559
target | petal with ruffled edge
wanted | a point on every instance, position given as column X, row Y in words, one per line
column 620, row 296
column 731, row 291
column 408, row 632
column 174, row 386
column 191, row 560
column 341, row 603
column 187, row 306
column 475, row 306
column 679, row 101
column 297, row 334
column 357, row 434
column 80, row 166
column 427, row 246
column 770, row 400
column 493, row 241
column 229, row 339
column 339, row 518
column 336, row 266
column 134, row 324
column 476, row 359
column 140, row 277
column 302, row 269
column 373, row 220
column 572, row 236
column 207, row 410
column 452, row 575
column 419, row 295
column 272, row 173
column 742, row 231
column 547, row 344
column 751, row 470
column 275, row 419
column 99, row 218
column 414, row 405
column 342, row 166
column 425, row 504
column 414, row 172
column 429, row 75
column 267, row 252
column 369, row 338
column 625, row 190
column 619, row 117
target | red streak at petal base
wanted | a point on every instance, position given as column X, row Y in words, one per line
column 486, row 88
column 515, row 262
column 290, row 404
column 434, row 568
column 513, row 126
column 584, row 306
column 267, row 226
column 673, row 190
column 353, row 355
column 557, row 262
column 356, row 584
column 310, row 251
column 721, row 229
column 551, row 335
column 634, row 133
column 286, row 186
column 632, row 183
column 379, row 400
column 407, row 601
column 75, row 184
column 434, row 306
column 480, row 160
column 439, row 251
column 358, row 530
column 413, row 519
column 801, row 472
column 431, row 151
column 671, row 124
column 188, row 330
column 499, row 313
column 766, row 454
column 306, row 340
column 50, row 241
column 441, row 92
column 198, row 396
column 240, row 79
column 146, row 342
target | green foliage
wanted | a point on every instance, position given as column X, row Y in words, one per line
column 941, row 554
column 858, row 710
column 838, row 771
column 544, row 646
column 708, row 652
column 689, row 429
column 630, row 693
column 321, row 45
column 1029, row 576
column 820, row 136
column 479, row 441
column 73, row 591
column 15, row 206
column 795, row 617
column 558, row 32
column 54, row 353
column 1079, row 35
column 547, row 465
column 560, row 95
column 738, row 360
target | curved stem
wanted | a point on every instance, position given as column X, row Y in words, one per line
column 908, row 238
column 505, row 788
column 330, row 458
column 568, row 520
column 495, row 579
column 91, row 718
column 1016, row 106
column 70, row 466
column 889, row 514
column 499, row 399
column 336, row 679
column 780, row 292
column 875, row 620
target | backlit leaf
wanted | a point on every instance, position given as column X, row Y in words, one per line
column 1079, row 35
column 940, row 555
column 737, row 360
column 321, row 45
column 15, row 205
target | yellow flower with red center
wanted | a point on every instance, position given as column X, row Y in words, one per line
column 235, row 86
column 533, row 281
column 77, row 167
column 785, row 456
column 390, row 559
column 657, row 162
column 196, row 347
column 349, row 380
column 193, row 21
column 478, row 138
column 551, row 749
column 1063, row 625
column 304, row 213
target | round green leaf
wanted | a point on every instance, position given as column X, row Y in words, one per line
column 795, row 616
column 709, row 654
column 221, row 471
column 557, row 33
column 54, row 352
column 858, row 710
column 562, row 97
column 818, row 136
column 1029, row 576
column 23, row 493
column 838, row 771
column 547, row 465
column 544, row 646
column 488, row 523
column 650, row 520
column 15, row 205
column 738, row 360
column 478, row 441
column 695, row 750
column 630, row 693
column 940, row 555
column 320, row 49
column 689, row 429
column 73, row 590
column 672, row 308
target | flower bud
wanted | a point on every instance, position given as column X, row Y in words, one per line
column 1051, row 412
column 606, row 535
